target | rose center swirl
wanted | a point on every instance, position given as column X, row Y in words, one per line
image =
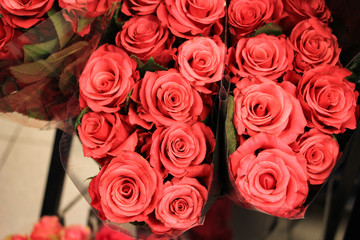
column 267, row 181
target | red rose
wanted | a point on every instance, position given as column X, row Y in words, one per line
column 107, row 233
column 328, row 99
column 180, row 206
column 263, row 55
column 314, row 45
column 104, row 134
column 245, row 16
column 298, row 10
column 107, row 79
column 201, row 61
column 129, row 188
column 270, row 176
column 321, row 152
column 24, row 14
column 48, row 228
column 140, row 7
column 76, row 232
column 188, row 18
column 16, row 237
column 269, row 108
column 6, row 35
column 181, row 148
column 144, row 37
column 165, row 98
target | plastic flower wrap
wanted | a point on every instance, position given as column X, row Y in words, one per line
column 44, row 45
column 290, row 98
column 146, row 97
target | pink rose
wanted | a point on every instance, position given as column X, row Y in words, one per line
column 129, row 188
column 188, row 18
column 181, row 148
column 328, row 99
column 298, row 10
column 107, row 79
column 201, row 61
column 24, row 14
column 270, row 176
column 165, row 98
column 76, row 232
column 314, row 45
column 107, row 233
column 180, row 206
column 269, row 108
column 246, row 16
column 139, row 7
column 263, row 55
column 144, row 37
column 321, row 152
column 48, row 228
column 104, row 134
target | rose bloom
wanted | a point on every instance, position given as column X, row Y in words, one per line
column 48, row 228
column 144, row 37
column 24, row 14
column 314, row 45
column 328, row 99
column 298, row 10
column 104, row 134
column 107, row 233
column 107, row 79
column 164, row 98
column 321, row 152
column 76, row 232
column 181, row 148
column 246, row 16
column 16, row 237
column 180, row 206
column 6, row 35
column 270, row 176
column 139, row 7
column 188, row 18
column 127, row 189
column 201, row 61
column 263, row 55
column 269, row 108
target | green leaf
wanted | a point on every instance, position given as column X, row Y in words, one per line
column 127, row 101
column 38, row 51
column 229, row 126
column 67, row 79
column 354, row 67
column 63, row 28
column 138, row 223
column 269, row 29
column 36, row 113
column 78, row 119
column 83, row 22
column 31, row 72
column 149, row 66
column 334, row 137
column 90, row 178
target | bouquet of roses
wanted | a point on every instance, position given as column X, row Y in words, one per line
column 146, row 97
column 44, row 45
column 290, row 99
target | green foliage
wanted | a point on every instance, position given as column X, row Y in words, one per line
column 229, row 126
column 149, row 66
column 354, row 67
column 268, row 29
column 79, row 118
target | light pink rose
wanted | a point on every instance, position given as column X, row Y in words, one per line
column 24, row 14
column 263, row 55
column 180, row 206
column 321, row 152
column 104, row 134
column 107, row 79
column 328, row 99
column 181, row 148
column 48, row 228
column 188, row 18
column 268, row 107
column 314, row 45
column 139, row 7
column 165, row 98
column 129, row 188
column 76, row 232
column 145, row 37
column 270, row 176
column 246, row 16
column 201, row 61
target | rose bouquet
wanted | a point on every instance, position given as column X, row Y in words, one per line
column 44, row 45
column 290, row 99
column 146, row 97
